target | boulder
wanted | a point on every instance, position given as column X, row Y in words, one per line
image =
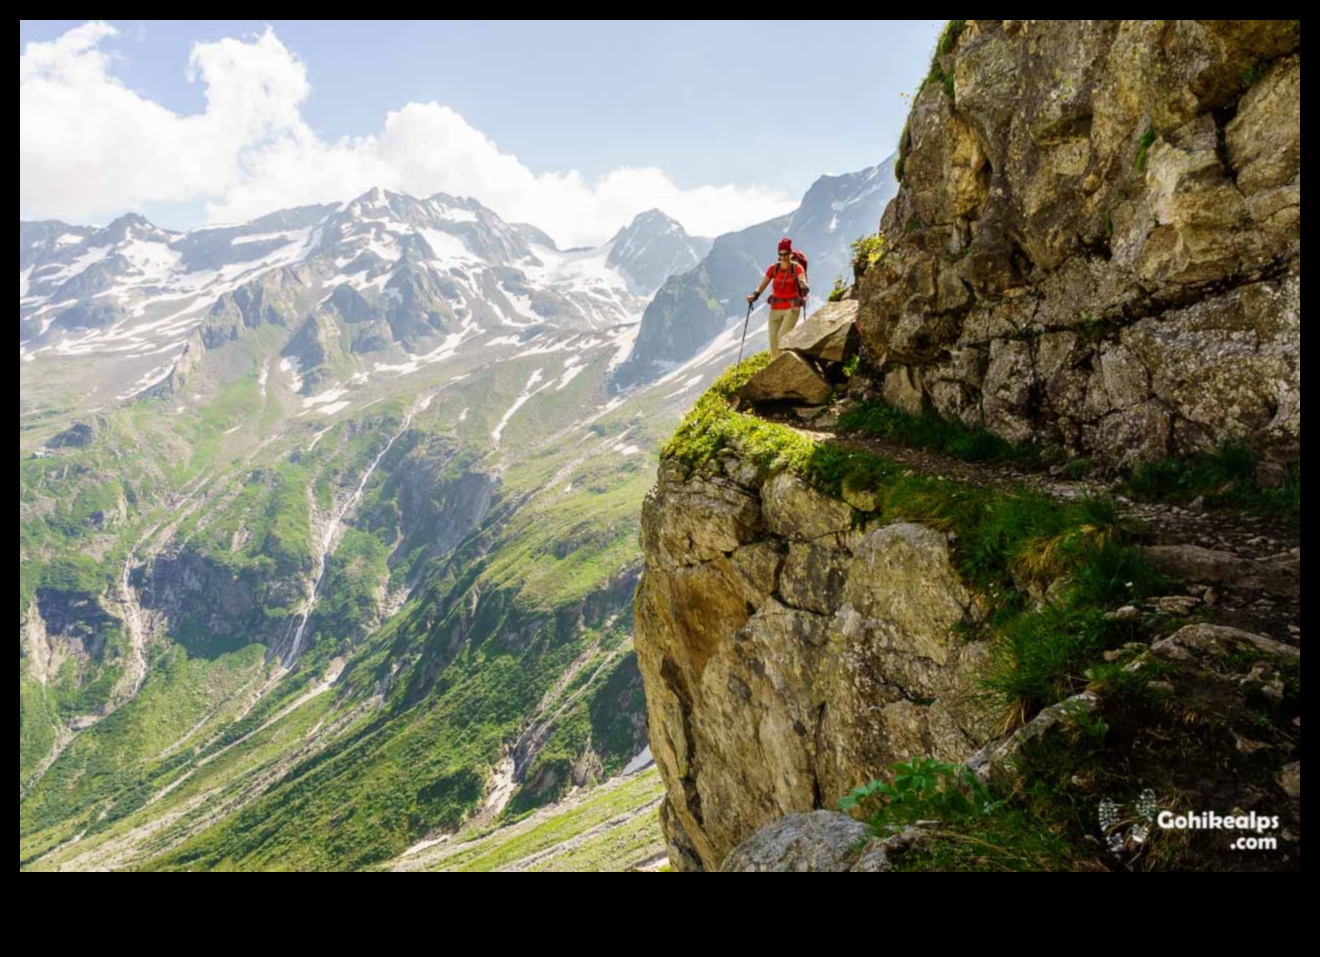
column 1219, row 641
column 904, row 575
column 1290, row 779
column 706, row 519
column 795, row 511
column 1210, row 567
column 789, row 378
column 829, row 335
column 77, row 436
column 822, row 841
column 997, row 761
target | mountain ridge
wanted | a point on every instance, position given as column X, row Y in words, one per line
column 330, row 510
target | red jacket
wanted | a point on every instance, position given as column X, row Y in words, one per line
column 785, row 285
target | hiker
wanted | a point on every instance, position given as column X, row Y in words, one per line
column 789, row 294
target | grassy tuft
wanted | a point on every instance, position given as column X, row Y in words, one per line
column 929, row 430
column 970, row 827
column 953, row 32
column 867, row 251
column 1078, row 469
column 948, row 41
column 904, row 147
column 1226, row 477
column 1143, row 149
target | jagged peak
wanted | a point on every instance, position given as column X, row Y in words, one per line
column 652, row 221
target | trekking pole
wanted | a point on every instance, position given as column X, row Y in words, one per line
column 746, row 322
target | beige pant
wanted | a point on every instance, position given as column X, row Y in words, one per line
column 781, row 323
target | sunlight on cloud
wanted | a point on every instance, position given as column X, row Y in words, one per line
column 89, row 147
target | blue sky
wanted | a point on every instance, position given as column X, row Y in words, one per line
column 759, row 107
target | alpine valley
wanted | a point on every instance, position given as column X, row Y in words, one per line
column 328, row 528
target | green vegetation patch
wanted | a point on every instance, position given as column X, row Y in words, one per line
column 867, row 251
column 1014, row 546
column 930, row 430
column 1143, row 149
column 1229, row 476
column 969, row 826
column 597, row 811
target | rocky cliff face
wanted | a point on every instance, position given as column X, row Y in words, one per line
column 1098, row 238
column 1097, row 245
column 787, row 655
column 795, row 646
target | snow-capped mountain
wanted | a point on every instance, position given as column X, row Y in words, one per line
column 694, row 306
column 346, row 487
column 384, row 280
column 654, row 247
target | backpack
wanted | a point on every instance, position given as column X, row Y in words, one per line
column 800, row 258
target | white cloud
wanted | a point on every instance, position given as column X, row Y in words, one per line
column 90, row 147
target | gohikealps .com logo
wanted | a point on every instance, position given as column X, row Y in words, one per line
column 1245, row 832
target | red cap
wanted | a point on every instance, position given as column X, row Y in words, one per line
column 785, row 245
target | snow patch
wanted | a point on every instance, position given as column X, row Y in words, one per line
column 623, row 341
column 690, row 383
column 555, row 345
column 149, row 380
column 263, row 237
column 291, row 366
column 77, row 267
column 450, row 214
column 328, row 397
column 605, row 410
column 447, row 247
column 528, row 391
column 446, row 350
column 572, row 369
column 154, row 261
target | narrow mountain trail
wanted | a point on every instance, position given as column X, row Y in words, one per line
column 1234, row 532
